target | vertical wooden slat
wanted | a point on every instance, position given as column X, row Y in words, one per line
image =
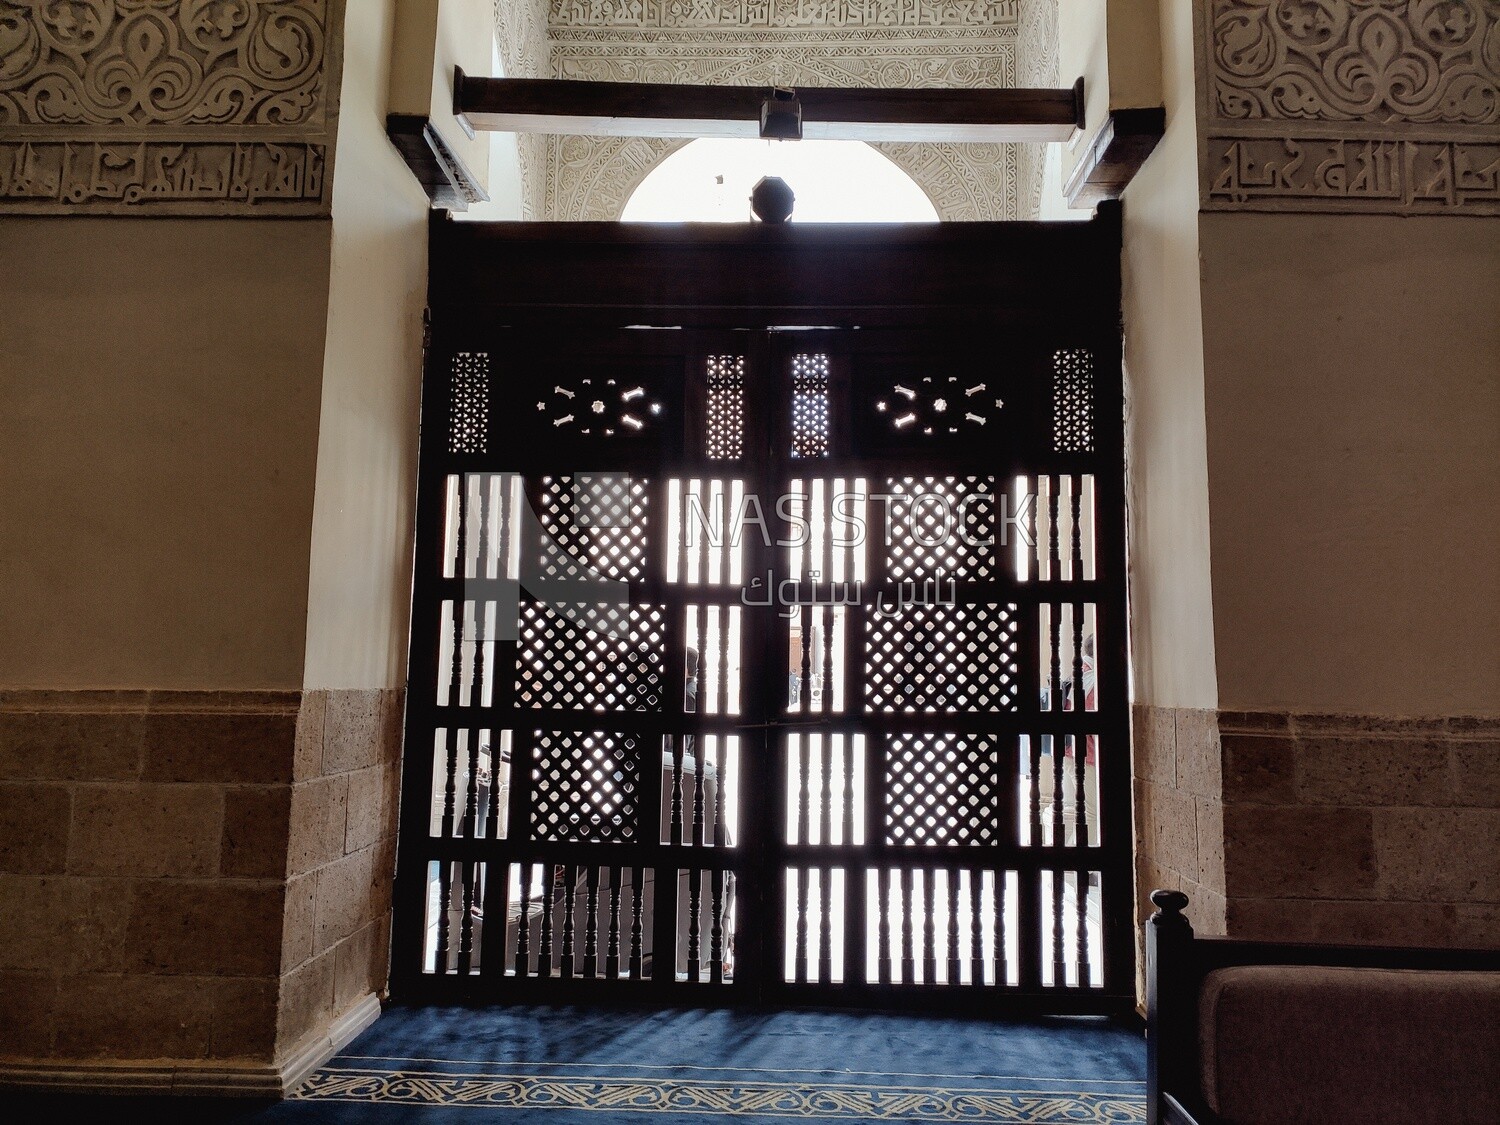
column 445, row 892
column 1002, row 935
column 450, row 780
column 883, row 928
column 523, row 925
column 825, row 518
column 471, row 797
column 612, row 944
column 695, row 924
column 716, row 928
column 955, row 949
column 721, row 779
column 700, row 794
column 570, row 902
column 804, row 684
column 908, row 949
column 682, row 530
column 674, row 833
column 803, row 795
column 799, row 952
column 1079, row 742
column 825, row 924
column 591, row 922
column 544, row 939
column 1081, row 953
column 637, row 879
column 929, row 929
column 976, row 928
column 1034, row 790
column 481, row 570
column 503, row 521
column 846, row 756
column 1054, row 556
column 725, row 614
column 825, row 792
column 1059, row 966
column 466, row 920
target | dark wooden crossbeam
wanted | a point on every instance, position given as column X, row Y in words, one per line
column 642, row 109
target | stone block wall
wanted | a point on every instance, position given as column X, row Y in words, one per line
column 341, row 858
column 191, row 882
column 1290, row 826
column 1179, row 811
column 1357, row 828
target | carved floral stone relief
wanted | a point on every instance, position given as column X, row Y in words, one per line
column 166, row 106
column 1351, row 105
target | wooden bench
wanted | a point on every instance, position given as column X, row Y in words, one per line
column 1249, row 1033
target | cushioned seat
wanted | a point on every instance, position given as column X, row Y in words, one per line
column 1350, row 1046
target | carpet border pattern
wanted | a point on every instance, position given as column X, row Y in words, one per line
column 730, row 1097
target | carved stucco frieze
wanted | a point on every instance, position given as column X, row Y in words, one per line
column 874, row 59
column 891, row 43
column 1351, row 105
column 167, row 107
column 526, row 52
column 801, row 15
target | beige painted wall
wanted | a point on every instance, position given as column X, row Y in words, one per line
column 1354, row 443
column 158, row 420
column 360, row 583
column 1171, row 599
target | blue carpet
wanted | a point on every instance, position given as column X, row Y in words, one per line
column 567, row 1065
column 570, row 1066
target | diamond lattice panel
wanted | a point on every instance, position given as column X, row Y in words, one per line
column 585, row 787
column 942, row 789
column 945, row 523
column 595, row 526
column 942, row 658
column 1073, row 401
column 590, row 657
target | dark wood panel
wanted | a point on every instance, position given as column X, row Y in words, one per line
column 754, row 275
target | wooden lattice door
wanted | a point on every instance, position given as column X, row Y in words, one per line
column 759, row 664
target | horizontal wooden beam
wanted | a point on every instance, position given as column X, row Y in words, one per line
column 643, row 109
column 1115, row 155
column 443, row 176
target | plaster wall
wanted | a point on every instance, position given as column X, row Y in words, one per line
column 158, row 411
column 359, row 586
column 1172, row 611
column 1354, row 446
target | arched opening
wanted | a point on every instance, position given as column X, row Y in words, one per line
column 709, row 181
